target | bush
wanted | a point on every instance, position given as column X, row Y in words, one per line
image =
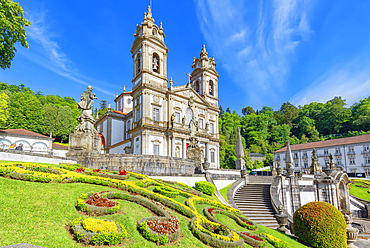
column 205, row 187
column 320, row 224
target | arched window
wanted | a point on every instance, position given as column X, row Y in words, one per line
column 138, row 63
column 211, row 88
column 155, row 63
column 154, row 32
column 196, row 86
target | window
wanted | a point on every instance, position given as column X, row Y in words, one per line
column 155, row 114
column 350, row 148
column 212, row 156
column 154, row 32
column 211, row 128
column 137, row 114
column 138, row 63
column 278, row 157
column 326, row 152
column 305, row 154
column 351, row 160
column 137, row 142
column 337, row 150
column 211, row 88
column 296, row 155
column 196, row 86
column 156, row 149
column 367, row 160
column 201, row 123
column 119, row 105
column 339, row 161
column 367, row 172
column 305, row 164
column 366, row 147
column 296, row 164
column 177, row 117
column 155, row 63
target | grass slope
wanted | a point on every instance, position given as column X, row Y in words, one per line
column 37, row 213
column 361, row 193
column 223, row 192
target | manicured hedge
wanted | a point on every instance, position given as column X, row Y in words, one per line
column 205, row 187
column 320, row 224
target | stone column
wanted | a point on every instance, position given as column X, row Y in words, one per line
column 183, row 148
column 173, row 147
column 207, row 151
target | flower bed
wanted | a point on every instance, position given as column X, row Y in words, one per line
column 163, row 190
column 252, row 239
column 98, row 232
column 278, row 243
column 96, row 204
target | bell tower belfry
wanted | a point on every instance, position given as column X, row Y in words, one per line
column 204, row 78
column 149, row 54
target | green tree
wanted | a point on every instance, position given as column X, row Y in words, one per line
column 248, row 110
column 59, row 121
column 12, row 23
column 361, row 115
column 25, row 111
column 307, row 127
column 4, row 112
column 286, row 114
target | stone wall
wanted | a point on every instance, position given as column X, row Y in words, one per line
column 13, row 155
column 144, row 164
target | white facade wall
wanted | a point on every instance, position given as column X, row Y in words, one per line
column 156, row 140
column 352, row 157
column 30, row 144
column 118, row 129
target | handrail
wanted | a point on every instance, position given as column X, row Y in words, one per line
column 275, row 199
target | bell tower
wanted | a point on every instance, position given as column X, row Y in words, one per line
column 204, row 78
column 149, row 54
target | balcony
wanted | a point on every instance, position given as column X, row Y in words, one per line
column 337, row 154
column 365, row 151
column 304, row 156
column 351, row 153
column 365, row 164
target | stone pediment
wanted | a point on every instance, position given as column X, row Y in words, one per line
column 187, row 92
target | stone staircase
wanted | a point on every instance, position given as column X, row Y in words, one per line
column 254, row 201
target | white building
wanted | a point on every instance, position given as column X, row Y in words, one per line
column 153, row 119
column 352, row 153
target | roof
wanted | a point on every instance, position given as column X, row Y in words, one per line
column 123, row 93
column 327, row 143
column 59, row 147
column 102, row 140
column 256, row 154
column 22, row 132
column 118, row 112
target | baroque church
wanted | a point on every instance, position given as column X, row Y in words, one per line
column 153, row 119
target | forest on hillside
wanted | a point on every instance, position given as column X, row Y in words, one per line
column 263, row 131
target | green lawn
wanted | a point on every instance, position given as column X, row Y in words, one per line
column 38, row 213
column 223, row 192
column 361, row 193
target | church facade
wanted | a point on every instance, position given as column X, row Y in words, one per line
column 153, row 119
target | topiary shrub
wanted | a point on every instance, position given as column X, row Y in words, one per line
column 320, row 224
column 205, row 187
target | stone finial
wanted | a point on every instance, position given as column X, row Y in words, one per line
column 239, row 151
column 203, row 53
column 171, row 82
column 160, row 25
column 124, row 88
column 97, row 115
column 109, row 108
column 194, row 60
column 51, row 134
column 289, row 157
column 149, row 15
column 116, row 94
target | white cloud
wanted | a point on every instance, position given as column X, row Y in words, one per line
column 257, row 56
column 51, row 55
column 345, row 82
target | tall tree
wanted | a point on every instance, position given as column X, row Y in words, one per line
column 4, row 112
column 59, row 121
column 286, row 114
column 12, row 23
column 26, row 111
column 248, row 110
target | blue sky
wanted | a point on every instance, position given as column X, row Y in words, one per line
column 267, row 52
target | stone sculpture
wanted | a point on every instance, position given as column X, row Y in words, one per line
column 315, row 167
column 85, row 140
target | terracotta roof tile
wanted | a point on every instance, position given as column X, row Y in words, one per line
column 123, row 93
column 21, row 132
column 328, row 143
column 118, row 112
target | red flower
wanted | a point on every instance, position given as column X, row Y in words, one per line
column 80, row 169
column 251, row 236
column 210, row 210
column 122, row 173
column 96, row 170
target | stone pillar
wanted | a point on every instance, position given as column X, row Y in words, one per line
column 207, row 151
column 173, row 147
column 183, row 148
